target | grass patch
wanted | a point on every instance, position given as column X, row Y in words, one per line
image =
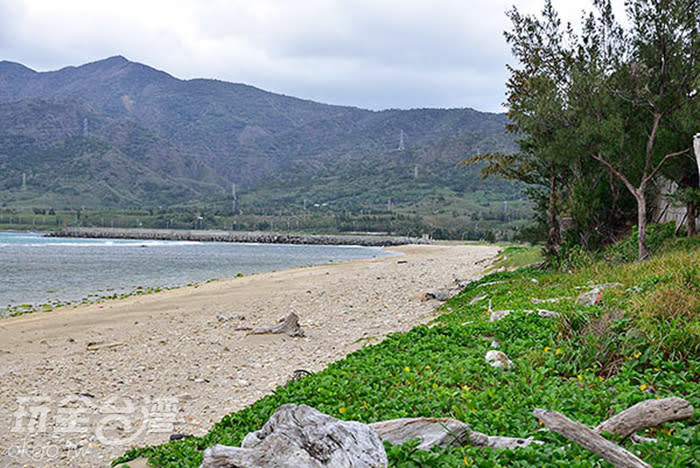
column 517, row 256
column 589, row 364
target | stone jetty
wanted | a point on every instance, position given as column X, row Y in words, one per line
column 238, row 236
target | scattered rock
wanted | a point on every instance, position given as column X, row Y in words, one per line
column 440, row 295
column 179, row 436
column 589, row 298
column 222, row 318
column 550, row 301
column 498, row 359
column 607, row 286
column 302, row 437
column 461, row 284
column 497, row 315
column 299, row 374
column 547, row 313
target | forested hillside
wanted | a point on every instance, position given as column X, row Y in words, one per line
column 114, row 134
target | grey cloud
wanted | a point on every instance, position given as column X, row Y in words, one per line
column 367, row 53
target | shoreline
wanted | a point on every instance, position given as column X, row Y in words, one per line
column 256, row 237
column 51, row 301
column 191, row 344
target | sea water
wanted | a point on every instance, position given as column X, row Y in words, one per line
column 37, row 270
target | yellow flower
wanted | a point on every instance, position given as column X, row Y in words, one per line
column 580, row 378
column 318, row 390
column 341, row 409
column 466, row 461
column 643, row 387
column 546, row 349
column 407, row 369
column 365, row 404
column 557, row 351
column 601, row 378
column 637, row 354
column 427, row 367
column 435, row 386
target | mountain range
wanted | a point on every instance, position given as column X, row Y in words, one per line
column 116, row 133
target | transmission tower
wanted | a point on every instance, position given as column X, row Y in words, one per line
column 402, row 143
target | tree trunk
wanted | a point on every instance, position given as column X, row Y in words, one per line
column 553, row 235
column 690, row 219
column 642, row 251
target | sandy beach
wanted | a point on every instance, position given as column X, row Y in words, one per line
column 78, row 386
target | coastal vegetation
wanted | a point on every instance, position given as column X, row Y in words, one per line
column 600, row 116
column 640, row 341
column 482, row 215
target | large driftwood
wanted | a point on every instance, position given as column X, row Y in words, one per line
column 649, row 413
column 442, row 432
column 289, row 326
column 301, row 437
column 589, row 439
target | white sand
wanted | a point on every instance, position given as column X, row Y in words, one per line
column 171, row 345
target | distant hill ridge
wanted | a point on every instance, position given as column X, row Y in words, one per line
column 115, row 133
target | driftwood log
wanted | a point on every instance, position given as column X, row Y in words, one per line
column 289, row 326
column 649, row 413
column 302, row 437
column 442, row 432
column 589, row 439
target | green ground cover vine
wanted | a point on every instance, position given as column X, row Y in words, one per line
column 589, row 364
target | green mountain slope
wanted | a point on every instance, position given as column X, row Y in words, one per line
column 117, row 133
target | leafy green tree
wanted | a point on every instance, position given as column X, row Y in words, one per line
column 538, row 115
column 629, row 85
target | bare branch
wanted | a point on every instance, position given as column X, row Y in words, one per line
column 661, row 163
column 620, row 175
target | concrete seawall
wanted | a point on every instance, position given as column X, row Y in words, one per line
column 237, row 236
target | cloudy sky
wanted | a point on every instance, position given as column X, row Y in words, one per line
column 374, row 54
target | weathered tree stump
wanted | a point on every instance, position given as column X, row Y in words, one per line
column 302, row 437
